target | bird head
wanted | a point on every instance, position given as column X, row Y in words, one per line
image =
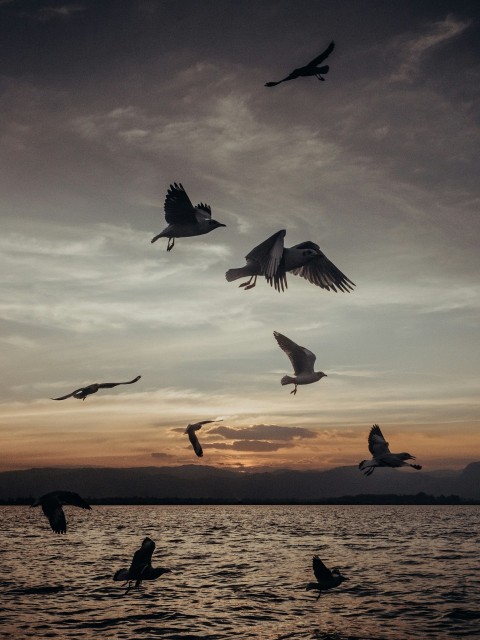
column 406, row 456
column 321, row 375
column 214, row 224
column 336, row 573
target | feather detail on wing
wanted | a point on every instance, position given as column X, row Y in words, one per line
column 377, row 445
column 301, row 358
column 178, row 206
column 320, row 271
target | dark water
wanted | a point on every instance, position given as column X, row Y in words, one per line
column 240, row 572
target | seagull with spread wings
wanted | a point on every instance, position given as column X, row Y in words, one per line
column 326, row 579
column 52, row 507
column 192, row 436
column 184, row 220
column 272, row 260
column 302, row 361
column 83, row 392
column 310, row 69
column 141, row 567
column 382, row 457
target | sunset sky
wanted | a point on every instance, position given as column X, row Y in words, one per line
column 105, row 104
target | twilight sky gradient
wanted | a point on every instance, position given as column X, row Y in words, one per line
column 104, row 104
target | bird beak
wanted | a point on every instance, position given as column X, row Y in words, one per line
column 221, row 225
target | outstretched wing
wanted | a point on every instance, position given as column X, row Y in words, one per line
column 141, row 559
column 52, row 508
column 203, row 211
column 319, row 270
column 320, row 570
column 178, row 207
column 70, row 497
column 301, row 358
column 377, row 445
column 194, row 441
column 69, row 395
column 316, row 61
column 269, row 256
column 109, row 385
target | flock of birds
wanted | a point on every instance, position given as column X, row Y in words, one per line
column 271, row 260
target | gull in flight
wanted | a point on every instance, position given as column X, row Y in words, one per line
column 185, row 220
column 272, row 260
column 310, row 69
column 83, row 392
column 141, row 567
column 192, row 436
column 302, row 361
column 52, row 507
column 326, row 579
column 382, row 457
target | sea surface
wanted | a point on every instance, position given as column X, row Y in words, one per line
column 241, row 571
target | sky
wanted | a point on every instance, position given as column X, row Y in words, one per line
column 105, row 104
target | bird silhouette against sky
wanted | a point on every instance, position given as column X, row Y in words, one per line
column 382, row 457
column 83, row 392
column 272, row 260
column 302, row 362
column 51, row 504
column 185, row 220
column 141, row 567
column 192, row 436
column 310, row 69
column 326, row 579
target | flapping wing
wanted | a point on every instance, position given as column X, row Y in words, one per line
column 70, row 497
column 377, row 445
column 178, row 207
column 320, row 570
column 121, row 574
column 142, row 558
column 322, row 56
column 301, row 358
column 319, row 270
column 69, row 395
column 109, row 385
column 203, row 211
column 52, row 508
column 197, row 447
column 269, row 255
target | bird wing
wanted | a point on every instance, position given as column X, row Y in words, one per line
column 69, row 395
column 319, row 270
column 269, row 255
column 203, row 211
column 322, row 56
column 109, row 385
column 52, row 508
column 121, row 574
column 198, row 425
column 320, row 570
column 141, row 558
column 377, row 445
column 70, row 497
column 301, row 358
column 194, row 441
column 178, row 206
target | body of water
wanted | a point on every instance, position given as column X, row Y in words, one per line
column 241, row 571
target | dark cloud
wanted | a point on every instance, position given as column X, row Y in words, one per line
column 246, row 445
column 263, row 432
column 159, row 454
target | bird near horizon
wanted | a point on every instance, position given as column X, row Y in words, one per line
column 310, row 69
column 83, row 392
column 326, row 579
column 302, row 362
column 192, row 436
column 141, row 567
column 382, row 457
column 272, row 260
column 184, row 220
column 51, row 504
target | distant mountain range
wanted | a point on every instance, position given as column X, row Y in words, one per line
column 199, row 482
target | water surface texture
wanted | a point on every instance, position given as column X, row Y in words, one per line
column 241, row 571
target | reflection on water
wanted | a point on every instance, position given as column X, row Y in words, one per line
column 241, row 571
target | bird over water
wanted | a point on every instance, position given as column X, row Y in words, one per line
column 83, row 392
column 141, row 567
column 302, row 361
column 326, row 579
column 310, row 69
column 382, row 457
column 51, row 504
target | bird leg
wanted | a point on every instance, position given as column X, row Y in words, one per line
column 171, row 242
column 249, row 284
column 294, row 391
column 319, row 594
column 129, row 582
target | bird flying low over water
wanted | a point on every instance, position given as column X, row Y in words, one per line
column 382, row 457
column 141, row 567
column 326, row 579
column 272, row 260
column 192, row 436
column 52, row 507
column 302, row 361
column 83, row 392
column 310, row 69
column 185, row 220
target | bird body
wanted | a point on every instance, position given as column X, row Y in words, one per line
column 326, row 579
column 192, row 436
column 83, row 392
column 382, row 457
column 302, row 360
column 141, row 567
column 184, row 220
column 51, row 504
column 310, row 69
column 272, row 260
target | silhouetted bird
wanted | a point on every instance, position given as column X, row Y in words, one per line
column 326, row 579
column 192, row 436
column 185, row 220
column 141, row 567
column 272, row 260
column 382, row 457
column 83, row 392
column 302, row 361
column 310, row 69
column 52, row 507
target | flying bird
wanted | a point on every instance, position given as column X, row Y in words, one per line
column 310, row 69
column 192, row 436
column 382, row 457
column 326, row 579
column 272, row 260
column 302, row 362
column 83, row 392
column 185, row 220
column 52, row 507
column 141, row 567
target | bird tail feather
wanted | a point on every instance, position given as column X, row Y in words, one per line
column 160, row 235
column 287, row 380
column 121, row 575
column 235, row 274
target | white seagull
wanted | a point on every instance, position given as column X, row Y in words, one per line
column 272, row 260
column 382, row 457
column 302, row 361
column 192, row 436
column 326, row 579
column 141, row 567
column 83, row 392
column 185, row 220
column 52, row 507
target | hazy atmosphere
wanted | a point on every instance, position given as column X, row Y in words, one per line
column 105, row 104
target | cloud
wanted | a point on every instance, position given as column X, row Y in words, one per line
column 262, row 432
column 246, row 445
column 160, row 455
